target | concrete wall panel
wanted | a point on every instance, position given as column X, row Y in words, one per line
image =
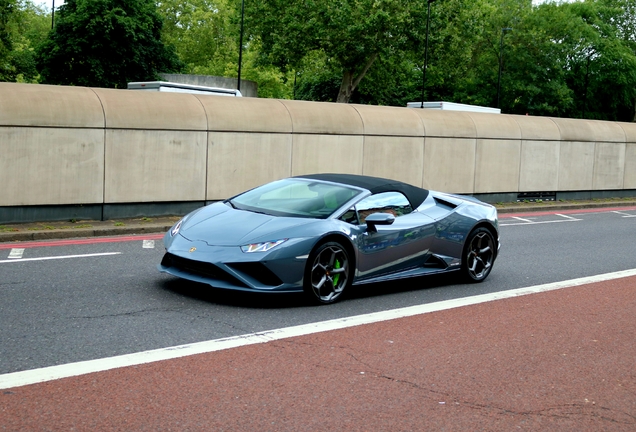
column 605, row 131
column 245, row 115
column 539, row 169
column 497, row 165
column 629, row 181
column 452, row 124
column 449, row 165
column 399, row 158
column 130, row 109
column 47, row 105
column 495, row 126
column 51, row 166
column 630, row 131
column 609, row 164
column 537, row 128
column 324, row 118
column 576, row 166
column 241, row 161
column 150, row 166
column 574, row 130
column 389, row 121
column 313, row 154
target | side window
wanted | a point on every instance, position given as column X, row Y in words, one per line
column 385, row 202
column 350, row 216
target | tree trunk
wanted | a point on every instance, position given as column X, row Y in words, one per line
column 350, row 83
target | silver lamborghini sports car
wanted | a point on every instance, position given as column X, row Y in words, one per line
column 322, row 233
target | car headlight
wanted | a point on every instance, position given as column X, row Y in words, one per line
column 175, row 229
column 262, row 247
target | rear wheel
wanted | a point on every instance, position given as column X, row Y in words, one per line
column 479, row 255
column 328, row 273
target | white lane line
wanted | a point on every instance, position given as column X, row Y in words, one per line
column 51, row 373
column 567, row 217
column 60, row 257
column 522, row 219
column 16, row 253
column 148, row 244
column 539, row 223
column 625, row 215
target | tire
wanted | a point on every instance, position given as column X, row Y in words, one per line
column 479, row 255
column 328, row 273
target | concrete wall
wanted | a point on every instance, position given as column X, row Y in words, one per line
column 88, row 146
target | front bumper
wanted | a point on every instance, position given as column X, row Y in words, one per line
column 279, row 270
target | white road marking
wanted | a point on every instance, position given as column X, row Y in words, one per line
column 567, row 217
column 16, row 379
column 541, row 222
column 60, row 257
column 148, row 244
column 15, row 253
column 625, row 215
column 522, row 219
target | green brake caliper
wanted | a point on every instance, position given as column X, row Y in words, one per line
column 336, row 277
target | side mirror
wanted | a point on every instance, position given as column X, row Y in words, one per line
column 378, row 219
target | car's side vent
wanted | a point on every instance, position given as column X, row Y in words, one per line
column 444, row 203
column 434, row 261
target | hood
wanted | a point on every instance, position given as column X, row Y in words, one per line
column 220, row 225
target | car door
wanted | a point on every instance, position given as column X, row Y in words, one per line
column 403, row 245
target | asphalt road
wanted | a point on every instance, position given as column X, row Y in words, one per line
column 81, row 307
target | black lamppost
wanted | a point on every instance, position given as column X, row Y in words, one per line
column 53, row 15
column 428, row 21
column 238, row 87
column 503, row 32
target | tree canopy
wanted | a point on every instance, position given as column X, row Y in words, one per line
column 105, row 43
column 569, row 59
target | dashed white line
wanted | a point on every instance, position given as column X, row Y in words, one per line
column 51, row 373
column 567, row 217
column 522, row 219
column 148, row 244
column 16, row 253
column 625, row 215
column 59, row 257
column 541, row 222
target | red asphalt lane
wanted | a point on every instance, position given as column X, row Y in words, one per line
column 561, row 360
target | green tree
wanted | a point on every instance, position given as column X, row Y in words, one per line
column 350, row 35
column 105, row 43
column 23, row 26
column 205, row 34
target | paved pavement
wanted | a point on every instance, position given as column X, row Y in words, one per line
column 558, row 360
column 145, row 225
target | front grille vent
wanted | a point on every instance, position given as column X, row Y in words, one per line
column 199, row 268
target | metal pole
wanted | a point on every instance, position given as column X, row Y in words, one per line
column 503, row 31
column 428, row 20
column 53, row 15
column 241, row 45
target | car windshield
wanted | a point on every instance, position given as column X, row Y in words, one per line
column 295, row 198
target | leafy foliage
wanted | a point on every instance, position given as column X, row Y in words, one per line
column 105, row 43
column 349, row 34
column 569, row 59
column 23, row 26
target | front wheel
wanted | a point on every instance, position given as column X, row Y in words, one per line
column 479, row 255
column 327, row 274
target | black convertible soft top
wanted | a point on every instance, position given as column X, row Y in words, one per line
column 415, row 195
